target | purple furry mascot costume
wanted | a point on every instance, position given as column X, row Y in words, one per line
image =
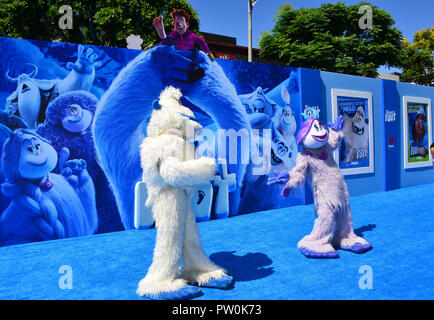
column 333, row 227
column 69, row 118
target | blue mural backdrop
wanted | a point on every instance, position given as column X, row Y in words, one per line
column 50, row 93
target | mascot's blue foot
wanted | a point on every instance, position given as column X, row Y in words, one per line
column 224, row 282
column 186, row 293
column 358, row 247
column 319, row 255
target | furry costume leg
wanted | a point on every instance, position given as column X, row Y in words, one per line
column 318, row 243
column 162, row 281
column 198, row 269
column 344, row 236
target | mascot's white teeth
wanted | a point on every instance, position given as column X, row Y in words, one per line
column 357, row 130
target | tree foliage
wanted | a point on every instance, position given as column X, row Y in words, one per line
column 106, row 23
column 329, row 38
column 419, row 58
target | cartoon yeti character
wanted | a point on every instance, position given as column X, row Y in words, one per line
column 44, row 205
column 170, row 178
column 265, row 114
column 32, row 96
column 356, row 133
column 333, row 226
column 123, row 110
column 68, row 124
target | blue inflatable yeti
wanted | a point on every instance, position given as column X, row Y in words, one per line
column 121, row 116
column 68, row 124
column 44, row 205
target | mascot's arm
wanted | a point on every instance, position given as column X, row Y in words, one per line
column 150, row 159
column 298, row 173
column 336, row 133
column 335, row 138
column 189, row 173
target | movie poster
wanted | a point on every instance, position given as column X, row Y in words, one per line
column 355, row 154
column 417, row 129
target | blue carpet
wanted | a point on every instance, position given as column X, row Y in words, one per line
column 259, row 251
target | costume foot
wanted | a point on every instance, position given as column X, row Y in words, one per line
column 358, row 247
column 224, row 282
column 188, row 292
column 319, row 255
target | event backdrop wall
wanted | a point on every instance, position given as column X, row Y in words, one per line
column 54, row 89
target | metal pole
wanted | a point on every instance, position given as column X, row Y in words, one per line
column 250, row 30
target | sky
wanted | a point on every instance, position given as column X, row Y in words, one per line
column 229, row 17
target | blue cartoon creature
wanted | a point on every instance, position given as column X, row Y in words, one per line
column 44, row 205
column 68, row 124
column 32, row 96
column 123, row 110
column 276, row 126
column 12, row 122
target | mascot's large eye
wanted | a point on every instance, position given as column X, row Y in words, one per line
column 38, row 146
column 316, row 126
column 359, row 118
column 30, row 149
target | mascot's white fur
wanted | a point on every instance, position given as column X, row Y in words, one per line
column 356, row 133
column 170, row 177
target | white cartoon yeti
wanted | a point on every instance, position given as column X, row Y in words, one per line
column 171, row 177
column 356, row 134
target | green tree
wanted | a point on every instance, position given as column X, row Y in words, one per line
column 418, row 58
column 105, row 23
column 329, row 38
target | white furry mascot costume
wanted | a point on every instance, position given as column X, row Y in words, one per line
column 333, row 226
column 170, row 178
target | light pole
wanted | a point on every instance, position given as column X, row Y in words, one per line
column 251, row 4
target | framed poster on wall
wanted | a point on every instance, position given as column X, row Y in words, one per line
column 356, row 152
column 417, row 132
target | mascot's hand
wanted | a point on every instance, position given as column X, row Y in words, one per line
column 282, row 178
column 74, row 171
column 180, row 68
column 159, row 26
column 338, row 125
column 85, row 62
column 286, row 191
column 207, row 166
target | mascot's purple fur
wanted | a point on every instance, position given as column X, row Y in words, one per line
column 333, row 227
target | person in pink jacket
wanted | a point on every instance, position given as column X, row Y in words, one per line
column 180, row 37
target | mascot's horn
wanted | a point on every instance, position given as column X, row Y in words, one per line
column 5, row 133
column 34, row 72
column 10, row 78
column 31, row 74
column 305, row 116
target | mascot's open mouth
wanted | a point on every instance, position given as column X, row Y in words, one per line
column 274, row 158
column 320, row 138
column 357, row 130
column 25, row 88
